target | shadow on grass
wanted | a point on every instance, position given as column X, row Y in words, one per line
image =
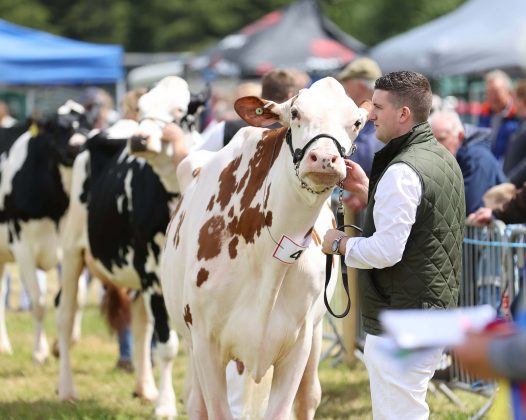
column 55, row 410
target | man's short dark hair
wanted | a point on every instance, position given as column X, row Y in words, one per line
column 277, row 85
column 410, row 89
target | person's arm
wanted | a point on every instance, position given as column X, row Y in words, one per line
column 356, row 181
column 487, row 355
column 397, row 197
column 513, row 211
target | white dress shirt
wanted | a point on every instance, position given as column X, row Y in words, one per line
column 397, row 197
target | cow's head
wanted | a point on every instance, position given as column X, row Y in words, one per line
column 69, row 129
column 323, row 123
column 167, row 102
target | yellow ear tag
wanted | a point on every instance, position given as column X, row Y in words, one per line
column 33, row 130
column 259, row 111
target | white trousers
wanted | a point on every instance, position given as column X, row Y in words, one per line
column 398, row 394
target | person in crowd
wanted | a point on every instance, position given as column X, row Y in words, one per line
column 515, row 157
column 467, row 143
column 499, row 113
column 410, row 252
column 94, row 96
column 513, row 211
column 6, row 120
column 276, row 85
column 358, row 79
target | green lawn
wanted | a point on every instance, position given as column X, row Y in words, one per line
column 29, row 392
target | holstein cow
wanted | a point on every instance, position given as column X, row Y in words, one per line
column 241, row 277
column 35, row 170
column 118, row 216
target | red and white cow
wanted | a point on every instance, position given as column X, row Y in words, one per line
column 242, row 271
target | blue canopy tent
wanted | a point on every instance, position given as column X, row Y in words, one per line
column 32, row 61
column 31, row 57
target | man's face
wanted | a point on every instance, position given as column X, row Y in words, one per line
column 385, row 116
column 497, row 95
column 445, row 136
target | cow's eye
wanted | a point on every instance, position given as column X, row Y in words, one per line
column 357, row 124
column 294, row 114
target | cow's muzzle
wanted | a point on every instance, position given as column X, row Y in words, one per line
column 138, row 144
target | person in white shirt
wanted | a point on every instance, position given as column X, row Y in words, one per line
column 410, row 252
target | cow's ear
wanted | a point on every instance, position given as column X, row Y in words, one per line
column 256, row 111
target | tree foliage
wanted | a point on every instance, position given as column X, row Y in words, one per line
column 179, row 25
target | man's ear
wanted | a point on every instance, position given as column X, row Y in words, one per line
column 257, row 112
column 405, row 114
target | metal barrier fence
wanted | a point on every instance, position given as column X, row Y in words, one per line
column 493, row 273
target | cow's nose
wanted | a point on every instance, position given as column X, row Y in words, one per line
column 322, row 157
column 138, row 143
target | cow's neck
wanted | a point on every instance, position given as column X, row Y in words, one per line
column 164, row 167
column 286, row 196
column 66, row 175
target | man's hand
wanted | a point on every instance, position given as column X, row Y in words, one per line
column 356, row 181
column 482, row 217
column 173, row 134
column 473, row 354
column 329, row 238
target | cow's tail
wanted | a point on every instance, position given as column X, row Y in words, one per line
column 116, row 307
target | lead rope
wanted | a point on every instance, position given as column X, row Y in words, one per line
column 328, row 265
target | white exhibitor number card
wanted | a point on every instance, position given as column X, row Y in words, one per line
column 288, row 251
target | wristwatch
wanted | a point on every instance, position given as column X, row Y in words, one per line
column 335, row 247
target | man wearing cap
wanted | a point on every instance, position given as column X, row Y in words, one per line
column 358, row 81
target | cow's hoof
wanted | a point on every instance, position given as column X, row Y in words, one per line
column 166, row 412
column 6, row 349
column 146, row 394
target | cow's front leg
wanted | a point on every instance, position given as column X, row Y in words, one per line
column 71, row 268
column 193, row 395
column 5, row 345
column 288, row 372
column 142, row 329
column 309, row 393
column 211, row 375
column 35, row 282
column 167, row 345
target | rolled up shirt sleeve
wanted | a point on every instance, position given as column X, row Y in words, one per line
column 397, row 197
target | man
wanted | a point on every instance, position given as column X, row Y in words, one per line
column 277, row 85
column 411, row 250
column 514, row 159
column 499, row 111
column 468, row 144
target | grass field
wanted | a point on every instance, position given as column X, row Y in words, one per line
column 28, row 391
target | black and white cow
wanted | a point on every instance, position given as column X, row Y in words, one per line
column 118, row 215
column 35, row 171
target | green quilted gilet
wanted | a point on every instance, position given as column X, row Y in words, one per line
column 428, row 275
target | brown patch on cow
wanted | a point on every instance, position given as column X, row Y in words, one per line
column 267, row 151
column 240, row 367
column 232, row 247
column 196, row 172
column 202, row 276
column 177, row 207
column 210, row 238
column 231, row 212
column 211, row 203
column 308, row 233
column 227, row 182
column 187, row 316
column 241, row 184
column 249, row 223
column 267, row 195
column 176, row 236
column 316, row 237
